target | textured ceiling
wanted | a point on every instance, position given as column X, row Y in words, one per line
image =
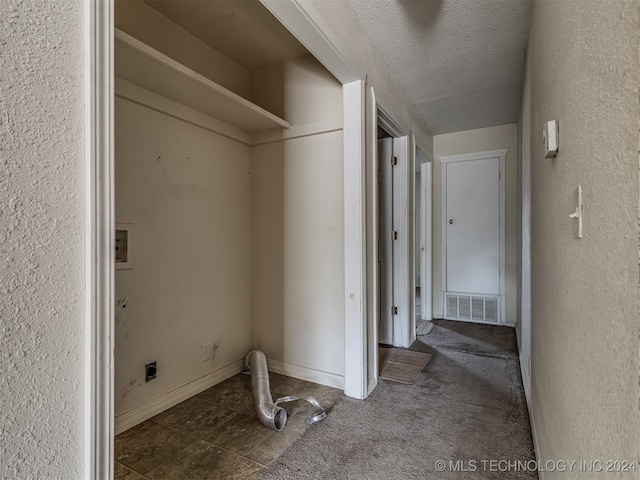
column 460, row 61
column 244, row 31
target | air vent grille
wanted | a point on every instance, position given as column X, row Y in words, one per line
column 466, row 306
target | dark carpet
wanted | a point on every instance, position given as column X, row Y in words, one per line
column 464, row 418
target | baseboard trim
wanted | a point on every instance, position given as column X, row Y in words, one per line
column 372, row 384
column 308, row 374
column 526, row 383
column 144, row 412
column 536, row 443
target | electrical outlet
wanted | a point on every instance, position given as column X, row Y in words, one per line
column 150, row 371
column 206, row 352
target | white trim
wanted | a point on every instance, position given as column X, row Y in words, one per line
column 100, row 243
column 404, row 332
column 502, row 155
column 403, row 297
column 526, row 379
column 355, row 289
column 308, row 374
column 158, row 405
column 372, row 221
column 465, row 157
column 411, row 231
column 426, row 241
column 310, row 28
column 389, row 125
column 534, row 429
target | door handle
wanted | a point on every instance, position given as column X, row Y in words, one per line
column 451, row 221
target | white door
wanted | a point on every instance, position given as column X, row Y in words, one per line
column 395, row 326
column 473, row 229
column 473, row 226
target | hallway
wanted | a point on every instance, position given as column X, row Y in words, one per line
column 465, row 417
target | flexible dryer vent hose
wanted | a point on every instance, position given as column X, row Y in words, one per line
column 269, row 413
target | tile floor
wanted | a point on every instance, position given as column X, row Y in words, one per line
column 216, row 434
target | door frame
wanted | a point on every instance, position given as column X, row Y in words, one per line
column 404, row 282
column 100, row 231
column 310, row 28
column 465, row 157
column 404, row 331
column 426, row 232
column 312, row 31
column 402, row 274
column 384, row 242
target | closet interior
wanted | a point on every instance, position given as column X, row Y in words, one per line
column 229, row 196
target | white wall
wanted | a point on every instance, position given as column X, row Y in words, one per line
column 483, row 139
column 297, row 222
column 42, row 239
column 187, row 192
column 583, row 69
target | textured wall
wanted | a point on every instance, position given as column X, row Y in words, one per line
column 42, row 238
column 470, row 141
column 584, row 74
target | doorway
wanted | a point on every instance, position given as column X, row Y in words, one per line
column 473, row 236
column 424, row 229
column 396, row 322
column 100, row 294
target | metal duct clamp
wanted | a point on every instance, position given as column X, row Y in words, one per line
column 271, row 414
column 316, row 417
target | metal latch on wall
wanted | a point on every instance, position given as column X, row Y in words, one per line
column 394, row 310
column 394, row 235
column 394, row 161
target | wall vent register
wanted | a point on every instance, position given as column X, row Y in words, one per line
column 472, row 307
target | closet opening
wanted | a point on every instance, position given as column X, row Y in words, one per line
column 228, row 182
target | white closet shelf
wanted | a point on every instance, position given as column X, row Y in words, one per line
column 146, row 67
